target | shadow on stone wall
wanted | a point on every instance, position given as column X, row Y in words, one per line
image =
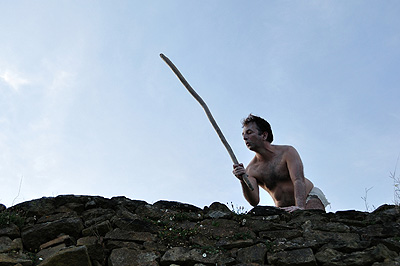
column 91, row 230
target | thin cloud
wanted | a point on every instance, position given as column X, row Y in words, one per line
column 14, row 80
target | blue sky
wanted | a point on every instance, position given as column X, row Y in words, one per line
column 88, row 106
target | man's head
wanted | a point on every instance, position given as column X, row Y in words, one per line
column 262, row 125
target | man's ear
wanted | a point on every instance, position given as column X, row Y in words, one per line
column 265, row 136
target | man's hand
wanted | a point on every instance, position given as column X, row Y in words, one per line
column 238, row 171
column 292, row 208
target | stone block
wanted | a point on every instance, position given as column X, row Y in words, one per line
column 35, row 235
column 94, row 246
column 5, row 244
column 253, row 254
column 298, row 257
column 11, row 230
column 122, row 235
column 66, row 239
column 77, row 256
column 100, row 229
column 12, row 259
column 130, row 257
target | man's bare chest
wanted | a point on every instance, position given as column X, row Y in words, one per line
column 269, row 174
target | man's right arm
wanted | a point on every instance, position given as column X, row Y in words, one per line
column 252, row 197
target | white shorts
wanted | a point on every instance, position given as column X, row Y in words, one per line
column 317, row 193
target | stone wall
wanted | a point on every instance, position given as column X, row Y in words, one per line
column 74, row 230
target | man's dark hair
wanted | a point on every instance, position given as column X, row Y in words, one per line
column 262, row 125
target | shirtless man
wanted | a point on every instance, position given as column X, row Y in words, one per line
column 277, row 169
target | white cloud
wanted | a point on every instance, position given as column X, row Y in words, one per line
column 13, row 79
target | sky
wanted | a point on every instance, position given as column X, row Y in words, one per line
column 89, row 108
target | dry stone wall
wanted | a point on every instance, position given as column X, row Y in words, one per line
column 71, row 230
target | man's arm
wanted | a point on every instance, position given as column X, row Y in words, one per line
column 252, row 197
column 296, row 172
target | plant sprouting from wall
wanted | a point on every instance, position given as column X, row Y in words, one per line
column 396, row 184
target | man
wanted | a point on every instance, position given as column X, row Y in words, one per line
column 277, row 169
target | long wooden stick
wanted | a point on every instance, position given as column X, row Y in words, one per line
column 209, row 115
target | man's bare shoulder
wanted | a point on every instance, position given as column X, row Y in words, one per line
column 290, row 154
column 287, row 151
column 284, row 148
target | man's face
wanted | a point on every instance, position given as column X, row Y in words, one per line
column 251, row 136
